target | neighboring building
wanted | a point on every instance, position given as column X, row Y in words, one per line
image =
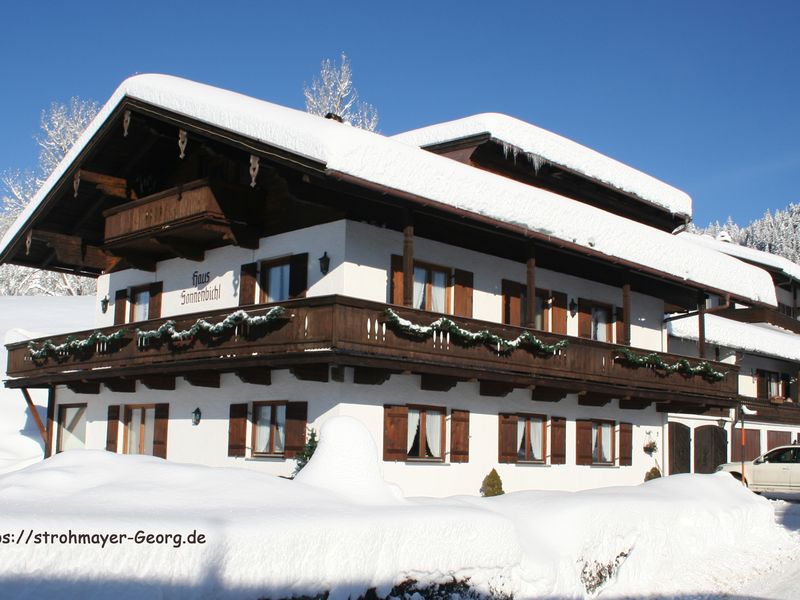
column 487, row 300
column 765, row 344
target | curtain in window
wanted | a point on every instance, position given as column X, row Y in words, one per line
column 599, row 324
column 280, row 425
column 263, row 420
column 433, row 434
column 420, row 278
column 438, row 286
column 134, row 427
column 149, row 430
column 536, row 439
column 278, row 282
column 605, row 442
column 595, row 449
column 521, row 439
column 539, row 319
column 141, row 306
column 774, row 385
column 413, row 429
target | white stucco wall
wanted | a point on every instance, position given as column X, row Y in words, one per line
column 207, row 442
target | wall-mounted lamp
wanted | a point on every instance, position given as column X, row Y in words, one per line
column 324, row 263
column 104, row 304
column 573, row 307
column 722, row 423
column 196, row 415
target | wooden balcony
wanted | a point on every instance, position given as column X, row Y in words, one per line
column 183, row 221
column 333, row 330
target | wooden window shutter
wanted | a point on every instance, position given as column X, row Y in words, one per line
column 395, row 432
column 512, row 302
column 560, row 313
column 558, row 441
column 237, row 429
column 459, row 436
column 247, row 284
column 160, row 430
column 112, row 428
column 120, row 306
column 583, row 442
column 296, row 419
column 507, row 436
column 625, row 444
column 462, row 304
column 619, row 322
column 762, row 390
column 155, row 300
column 396, row 294
column 785, row 386
column 584, row 319
column 298, row 275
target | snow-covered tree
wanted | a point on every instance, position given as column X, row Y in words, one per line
column 61, row 125
column 333, row 93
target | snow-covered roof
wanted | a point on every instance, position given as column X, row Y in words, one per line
column 747, row 337
column 392, row 164
column 767, row 259
column 521, row 137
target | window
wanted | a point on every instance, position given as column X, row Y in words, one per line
column 425, row 433
column 515, row 306
column 783, row 455
column 139, row 304
column 71, row 427
column 594, row 320
column 596, row 444
column 774, row 385
column 431, row 288
column 140, row 429
column 531, row 438
column 771, row 384
column 275, row 280
column 269, row 428
column 602, row 442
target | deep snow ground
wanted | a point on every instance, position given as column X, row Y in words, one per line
column 341, row 528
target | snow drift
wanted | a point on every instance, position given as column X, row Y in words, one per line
column 20, row 441
column 271, row 537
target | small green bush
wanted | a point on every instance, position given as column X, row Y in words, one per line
column 653, row 473
column 308, row 451
column 492, row 485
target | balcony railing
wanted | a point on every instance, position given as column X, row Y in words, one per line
column 347, row 331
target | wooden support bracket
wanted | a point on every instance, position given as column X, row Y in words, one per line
column 255, row 375
column 35, row 414
column 371, row 375
column 437, row 383
column 120, row 384
column 497, row 389
column 158, row 382
column 311, row 372
column 84, row 387
column 209, row 379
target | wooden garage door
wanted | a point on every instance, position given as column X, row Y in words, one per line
column 679, row 449
column 778, row 438
column 752, row 444
column 710, row 448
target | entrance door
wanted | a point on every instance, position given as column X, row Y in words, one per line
column 139, row 429
column 679, row 449
column 710, row 448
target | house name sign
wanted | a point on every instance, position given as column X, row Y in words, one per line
column 200, row 290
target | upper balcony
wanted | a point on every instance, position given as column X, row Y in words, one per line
column 310, row 335
column 179, row 222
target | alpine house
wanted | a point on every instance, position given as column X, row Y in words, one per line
column 480, row 294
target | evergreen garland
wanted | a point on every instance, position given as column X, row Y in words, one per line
column 73, row 346
column 202, row 327
column 654, row 361
column 468, row 338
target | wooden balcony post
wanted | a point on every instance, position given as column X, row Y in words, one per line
column 530, row 309
column 408, row 262
column 626, row 315
column 701, row 327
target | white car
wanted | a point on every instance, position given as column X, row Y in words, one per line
column 776, row 471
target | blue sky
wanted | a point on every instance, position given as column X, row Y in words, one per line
column 703, row 95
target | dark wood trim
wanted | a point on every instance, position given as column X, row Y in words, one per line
column 530, row 283
column 459, row 436
column 84, row 387
column 371, row 375
column 158, row 382
column 51, row 421
column 237, row 429
column 496, row 389
column 408, row 264
column 112, row 428
column 255, row 376
column 311, row 372
column 701, row 328
column 437, row 383
column 120, row 384
column 626, row 315
column 558, row 441
column 209, row 379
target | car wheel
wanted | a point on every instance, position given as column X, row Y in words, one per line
column 738, row 477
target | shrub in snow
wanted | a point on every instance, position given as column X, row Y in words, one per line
column 653, row 473
column 594, row 574
column 307, row 452
column 492, row 485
